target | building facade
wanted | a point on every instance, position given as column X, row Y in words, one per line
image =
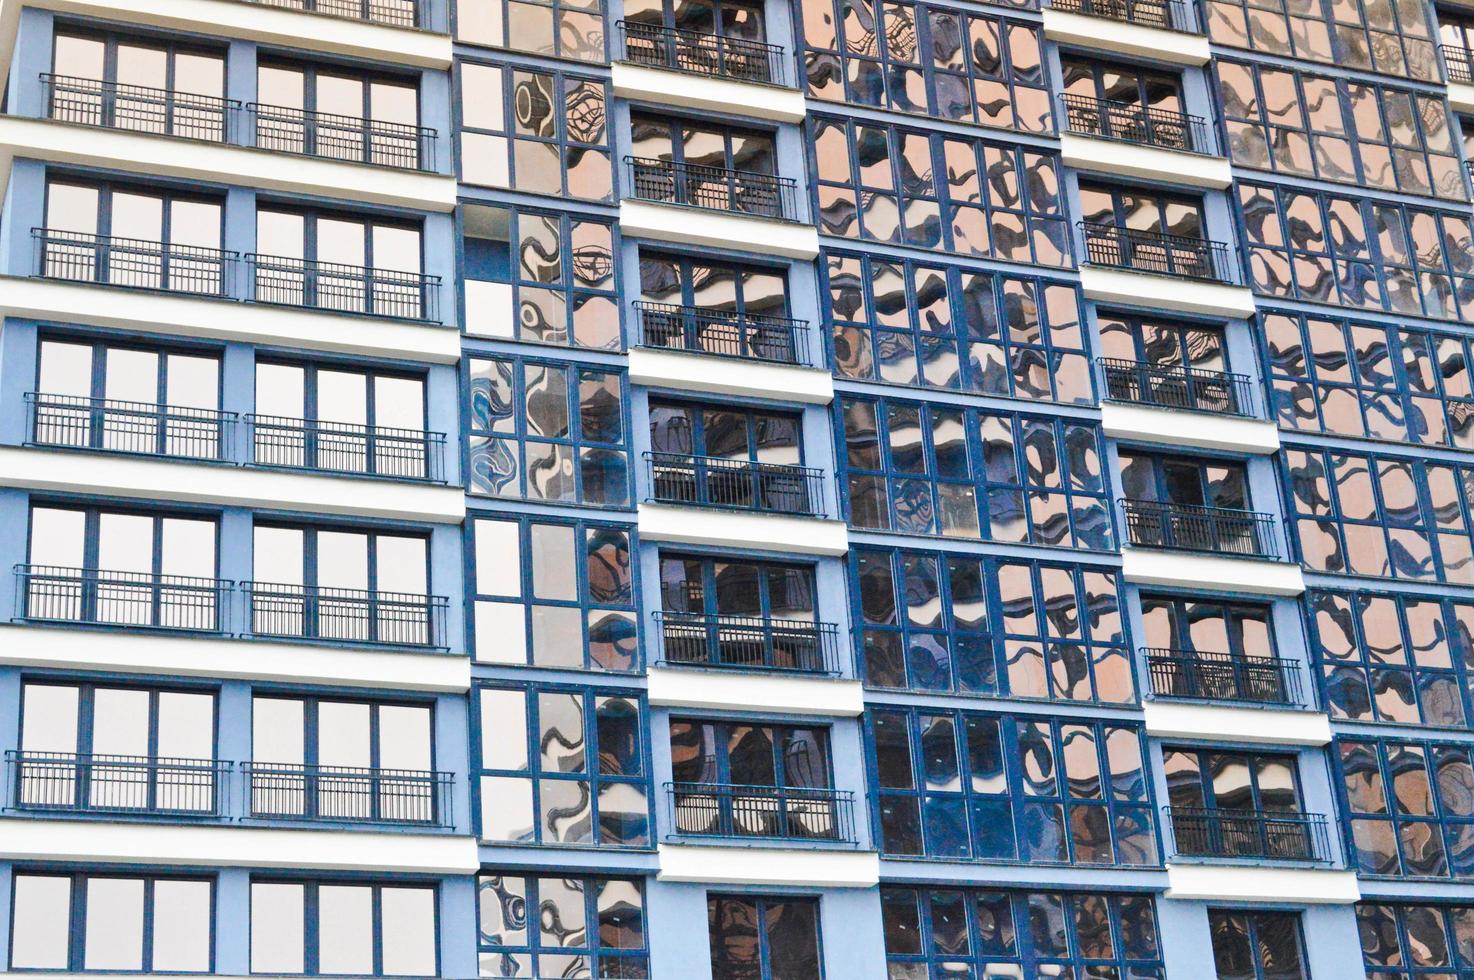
column 713, row 490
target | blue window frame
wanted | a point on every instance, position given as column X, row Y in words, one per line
column 918, row 468
column 579, row 927
column 1408, row 942
column 1407, row 809
column 963, row 785
column 562, row 766
column 1394, row 39
column 572, row 29
column 336, row 927
column 927, row 621
column 760, row 937
column 1256, row 944
column 550, row 593
column 937, row 932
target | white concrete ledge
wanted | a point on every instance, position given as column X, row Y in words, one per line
column 687, row 371
column 1179, row 427
column 1227, row 883
column 717, row 688
column 32, row 468
column 1161, row 292
column 1461, row 96
column 1119, row 37
column 1144, row 566
column 674, row 524
column 192, row 845
column 166, row 314
column 768, row 866
column 1122, row 159
column 173, row 655
column 1232, row 723
column 669, row 89
column 717, row 229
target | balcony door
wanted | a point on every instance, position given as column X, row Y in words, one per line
column 1236, row 804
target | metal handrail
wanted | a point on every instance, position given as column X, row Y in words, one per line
column 739, row 484
column 1170, row 15
column 94, row 783
column 138, row 108
column 1185, row 527
column 712, row 188
column 1131, row 122
column 352, row 615
column 132, row 262
column 1175, row 386
column 393, row 13
column 348, row 794
column 774, row 812
column 1149, row 251
column 339, row 447
column 747, row 642
column 341, row 137
column 1215, row 676
column 718, row 55
column 61, row 594
column 343, row 288
column 727, row 333
column 113, row 425
column 1457, row 61
column 1256, row 834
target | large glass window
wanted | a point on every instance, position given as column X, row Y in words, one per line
column 138, row 83
column 749, row 754
column 579, row 927
column 337, row 928
column 1255, row 945
column 691, row 143
column 563, row 278
column 1409, row 807
column 1390, row 38
column 344, row 115
column 1143, row 210
column 1250, row 782
column 111, row 922
column 573, row 29
column 759, row 938
column 1167, row 344
column 1184, row 481
column 1203, row 625
column 1416, row 942
column 713, row 284
column 745, row 435
column 562, row 766
column 338, row 240
column 1123, row 84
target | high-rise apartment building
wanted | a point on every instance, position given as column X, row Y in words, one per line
column 724, row 490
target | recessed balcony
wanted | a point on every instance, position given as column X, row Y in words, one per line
column 1162, row 272
column 1248, row 835
column 1197, row 675
column 708, row 72
column 1181, row 545
column 1131, row 140
column 770, row 813
column 1159, row 30
column 1142, row 403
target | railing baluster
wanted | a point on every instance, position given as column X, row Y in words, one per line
column 348, row 615
column 1154, row 252
column 1249, row 834
column 709, row 481
column 713, row 188
column 1184, row 527
column 781, row 812
column 747, row 642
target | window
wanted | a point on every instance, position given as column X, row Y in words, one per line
column 1121, row 83
column 960, row 472
column 1200, row 625
column 1399, row 658
column 340, row 262
column 1163, row 343
column 928, row 61
column 987, row 787
column 93, row 921
column 1409, row 942
column 543, row 431
column 1409, row 809
column 553, row 594
column 332, row 112
column 1255, row 945
column 153, row 86
column 936, row 326
column 542, row 132
column 590, row 927
column 888, row 184
column 713, row 284
column 1184, row 481
column 1392, row 38
column 735, row 433
column 686, row 142
column 1249, row 784
column 343, row 927
column 573, row 29
column 1369, row 254
column 562, row 766
column 935, row 931
column 760, row 938
column 1142, row 211
column 749, row 754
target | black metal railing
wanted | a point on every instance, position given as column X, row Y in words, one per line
column 394, row 13
column 726, row 333
column 128, row 427
column 343, row 288
column 339, row 137
column 748, row 642
column 348, row 794
column 350, row 615
column 1218, row 530
column 337, row 447
column 1251, row 834
column 783, row 812
column 1215, row 676
column 1169, row 14
column 1131, row 122
column 133, row 262
column 1456, row 60
column 658, row 46
column 67, row 781
column 1175, row 386
column 1149, row 251
column 139, row 108
column 52, row 593
column 739, row 484
column 713, row 188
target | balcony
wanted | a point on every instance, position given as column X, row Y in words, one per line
column 748, row 643
column 391, row 13
column 142, row 428
column 1128, row 122
column 133, row 263
column 724, row 333
column 713, row 55
column 1173, row 386
column 351, row 139
column 341, row 288
column 50, row 593
column 1179, row 256
column 1213, row 530
column 743, row 192
column 786, row 813
column 735, row 484
column 67, row 782
column 1254, row 835
column 1196, row 675
column 304, row 612
column 1457, row 62
column 1170, row 15
column 348, row 794
column 337, row 447
column 139, row 108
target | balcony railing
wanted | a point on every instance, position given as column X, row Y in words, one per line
column 349, row 615
column 1171, row 15
column 1133, row 123
column 337, row 447
column 1249, row 834
column 1212, row 676
column 725, row 333
column 1174, row 386
column 748, row 642
column 712, row 188
column 343, row 288
column 348, row 794
column 139, row 108
column 1456, row 60
column 658, row 46
column 1149, row 251
column 773, row 812
column 132, row 262
column 111, row 425
column 338, row 137
column 51, row 593
column 67, row 781
column 1218, row 530
column 394, row 13
column 737, row 484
